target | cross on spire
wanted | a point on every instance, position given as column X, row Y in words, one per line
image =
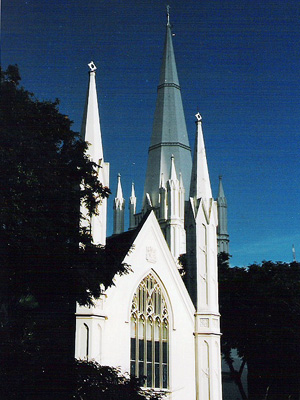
column 168, row 15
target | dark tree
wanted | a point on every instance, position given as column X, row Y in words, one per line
column 260, row 307
column 44, row 269
column 106, row 383
column 231, row 287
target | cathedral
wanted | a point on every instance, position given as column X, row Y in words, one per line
column 160, row 322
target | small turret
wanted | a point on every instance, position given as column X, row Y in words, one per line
column 132, row 208
column 173, row 192
column 181, row 197
column 174, row 225
column 119, row 209
column 223, row 237
column 162, row 200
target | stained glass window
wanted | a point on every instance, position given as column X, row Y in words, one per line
column 149, row 354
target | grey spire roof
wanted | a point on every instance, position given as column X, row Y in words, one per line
column 223, row 237
column 169, row 134
column 222, row 201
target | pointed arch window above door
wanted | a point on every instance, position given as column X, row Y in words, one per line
column 149, row 353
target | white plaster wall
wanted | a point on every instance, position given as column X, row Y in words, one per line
column 150, row 254
column 206, row 222
column 208, row 369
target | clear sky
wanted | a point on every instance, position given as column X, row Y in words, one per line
column 238, row 64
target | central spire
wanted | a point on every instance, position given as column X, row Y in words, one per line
column 169, row 134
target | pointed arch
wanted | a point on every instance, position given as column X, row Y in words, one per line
column 150, row 327
column 163, row 290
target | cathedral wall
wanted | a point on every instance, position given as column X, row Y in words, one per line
column 207, row 276
column 110, row 326
column 208, row 369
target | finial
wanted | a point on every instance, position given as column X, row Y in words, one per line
column 92, row 66
column 198, row 116
column 220, row 177
column 132, row 190
column 119, row 193
column 168, row 15
column 162, row 180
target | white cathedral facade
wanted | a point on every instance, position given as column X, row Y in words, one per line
column 154, row 323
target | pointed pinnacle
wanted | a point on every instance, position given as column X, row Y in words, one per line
column 221, row 190
column 162, row 183
column 132, row 190
column 200, row 182
column 173, row 175
column 119, row 194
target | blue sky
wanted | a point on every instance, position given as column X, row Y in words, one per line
column 238, row 64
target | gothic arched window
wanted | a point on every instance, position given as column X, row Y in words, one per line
column 150, row 335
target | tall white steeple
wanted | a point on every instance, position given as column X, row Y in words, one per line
column 223, row 237
column 119, row 208
column 91, row 132
column 202, row 274
column 201, row 224
column 200, row 182
column 169, row 134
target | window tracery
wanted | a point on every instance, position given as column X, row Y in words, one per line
column 150, row 334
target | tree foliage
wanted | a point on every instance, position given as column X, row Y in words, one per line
column 106, row 383
column 47, row 262
column 260, row 307
column 43, row 165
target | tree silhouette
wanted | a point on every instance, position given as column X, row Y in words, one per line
column 47, row 262
column 260, row 308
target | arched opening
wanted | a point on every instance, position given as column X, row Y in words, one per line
column 150, row 335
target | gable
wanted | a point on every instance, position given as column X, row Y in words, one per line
column 149, row 253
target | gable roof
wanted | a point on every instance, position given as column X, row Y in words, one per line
column 165, row 269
